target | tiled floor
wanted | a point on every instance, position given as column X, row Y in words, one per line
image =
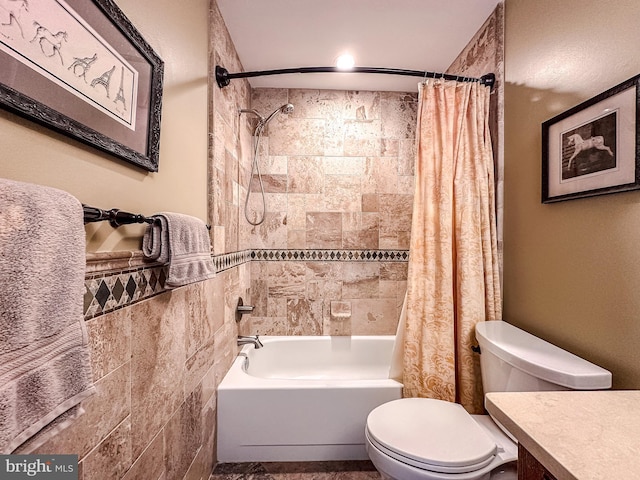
column 351, row 470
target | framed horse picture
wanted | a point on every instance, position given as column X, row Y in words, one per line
column 592, row 149
column 82, row 69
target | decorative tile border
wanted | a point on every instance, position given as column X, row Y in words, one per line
column 231, row 260
column 110, row 291
column 132, row 280
column 331, row 255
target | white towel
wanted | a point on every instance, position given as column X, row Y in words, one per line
column 45, row 368
column 183, row 242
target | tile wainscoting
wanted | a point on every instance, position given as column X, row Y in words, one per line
column 117, row 280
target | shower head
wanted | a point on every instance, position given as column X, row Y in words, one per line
column 287, row 108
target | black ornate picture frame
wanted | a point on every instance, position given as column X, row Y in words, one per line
column 80, row 68
column 593, row 148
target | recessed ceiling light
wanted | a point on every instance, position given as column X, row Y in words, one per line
column 345, row 62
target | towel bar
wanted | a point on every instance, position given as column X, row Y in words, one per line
column 116, row 217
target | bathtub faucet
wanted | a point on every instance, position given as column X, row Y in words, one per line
column 245, row 340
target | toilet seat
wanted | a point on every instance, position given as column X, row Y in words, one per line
column 431, row 435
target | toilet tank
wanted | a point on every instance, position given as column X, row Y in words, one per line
column 512, row 360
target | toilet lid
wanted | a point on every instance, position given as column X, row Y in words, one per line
column 430, row 434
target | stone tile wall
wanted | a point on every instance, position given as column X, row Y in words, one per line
column 338, row 174
column 327, row 297
column 338, row 171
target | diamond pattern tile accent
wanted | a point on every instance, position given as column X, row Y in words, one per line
column 117, row 290
column 153, row 280
column 110, row 291
column 131, row 287
column 103, row 293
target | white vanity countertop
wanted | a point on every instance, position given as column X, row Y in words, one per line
column 576, row 435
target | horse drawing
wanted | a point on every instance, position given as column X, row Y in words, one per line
column 10, row 11
column 580, row 145
column 50, row 43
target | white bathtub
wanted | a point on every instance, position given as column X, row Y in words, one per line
column 303, row 398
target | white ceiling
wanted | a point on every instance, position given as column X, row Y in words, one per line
column 406, row 34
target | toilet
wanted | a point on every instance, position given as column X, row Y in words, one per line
column 427, row 439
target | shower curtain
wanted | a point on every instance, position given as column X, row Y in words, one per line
column 453, row 275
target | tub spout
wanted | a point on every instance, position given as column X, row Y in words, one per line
column 245, row 340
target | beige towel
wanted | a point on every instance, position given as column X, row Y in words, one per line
column 45, row 369
column 183, row 242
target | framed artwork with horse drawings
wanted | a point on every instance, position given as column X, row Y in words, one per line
column 592, row 149
column 81, row 68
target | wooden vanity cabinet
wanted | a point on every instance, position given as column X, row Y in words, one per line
column 529, row 468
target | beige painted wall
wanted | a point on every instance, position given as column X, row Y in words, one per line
column 572, row 269
column 34, row 154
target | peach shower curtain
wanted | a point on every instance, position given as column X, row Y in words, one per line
column 453, row 277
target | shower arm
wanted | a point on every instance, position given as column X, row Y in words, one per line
column 223, row 77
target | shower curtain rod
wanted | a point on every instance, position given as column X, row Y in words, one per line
column 223, row 77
